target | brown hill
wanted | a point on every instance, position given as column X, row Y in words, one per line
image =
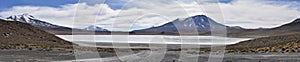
column 281, row 43
column 14, row 34
column 285, row 38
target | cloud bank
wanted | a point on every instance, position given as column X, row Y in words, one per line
column 139, row 14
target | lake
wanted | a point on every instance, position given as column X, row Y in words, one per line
column 155, row 39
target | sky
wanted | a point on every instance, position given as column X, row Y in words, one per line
column 126, row 15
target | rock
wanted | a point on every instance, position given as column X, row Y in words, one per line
column 6, row 35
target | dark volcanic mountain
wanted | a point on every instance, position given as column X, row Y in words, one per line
column 198, row 23
column 21, row 34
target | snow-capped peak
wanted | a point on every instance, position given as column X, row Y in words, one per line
column 200, row 22
column 27, row 18
column 95, row 28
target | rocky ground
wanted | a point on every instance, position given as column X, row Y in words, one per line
column 289, row 43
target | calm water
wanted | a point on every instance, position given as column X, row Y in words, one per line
column 157, row 39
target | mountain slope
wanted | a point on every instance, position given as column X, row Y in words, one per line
column 284, row 39
column 198, row 23
column 282, row 43
column 21, row 34
column 292, row 27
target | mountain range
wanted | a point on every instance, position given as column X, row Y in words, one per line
column 202, row 24
column 194, row 25
column 27, row 32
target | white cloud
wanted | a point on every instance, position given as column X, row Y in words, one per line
column 65, row 14
column 258, row 14
column 147, row 13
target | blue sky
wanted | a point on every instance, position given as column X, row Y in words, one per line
column 257, row 13
column 52, row 3
column 114, row 4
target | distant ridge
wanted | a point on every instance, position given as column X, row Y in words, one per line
column 296, row 21
column 292, row 27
